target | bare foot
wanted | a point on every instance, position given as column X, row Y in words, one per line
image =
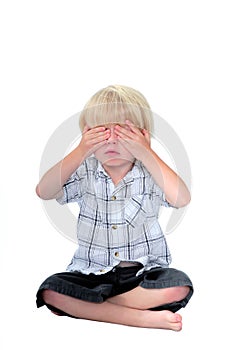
column 163, row 319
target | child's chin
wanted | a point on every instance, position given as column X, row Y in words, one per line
column 116, row 161
column 113, row 161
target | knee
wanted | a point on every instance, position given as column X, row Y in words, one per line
column 177, row 293
column 49, row 296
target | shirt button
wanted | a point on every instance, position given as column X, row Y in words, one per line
column 102, row 270
column 117, row 254
column 114, row 227
column 113, row 198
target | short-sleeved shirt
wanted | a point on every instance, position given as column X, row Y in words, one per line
column 116, row 223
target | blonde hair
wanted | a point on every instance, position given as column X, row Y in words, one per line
column 114, row 105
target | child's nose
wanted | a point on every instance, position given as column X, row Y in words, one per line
column 113, row 136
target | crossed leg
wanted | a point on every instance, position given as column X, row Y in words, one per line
column 130, row 308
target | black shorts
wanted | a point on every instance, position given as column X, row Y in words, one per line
column 97, row 288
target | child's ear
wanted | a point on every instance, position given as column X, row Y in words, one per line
column 86, row 128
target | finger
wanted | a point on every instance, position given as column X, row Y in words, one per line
column 146, row 135
column 93, row 130
column 123, row 132
column 98, row 137
column 133, row 127
column 95, row 137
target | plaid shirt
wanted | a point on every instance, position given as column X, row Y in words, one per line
column 116, row 223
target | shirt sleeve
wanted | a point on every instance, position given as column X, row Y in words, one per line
column 158, row 196
column 72, row 189
column 79, row 182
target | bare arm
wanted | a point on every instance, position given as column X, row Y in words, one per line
column 176, row 192
column 51, row 184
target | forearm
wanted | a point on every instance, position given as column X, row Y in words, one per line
column 176, row 192
column 52, row 182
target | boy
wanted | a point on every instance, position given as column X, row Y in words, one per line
column 120, row 272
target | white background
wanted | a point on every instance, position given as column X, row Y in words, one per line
column 54, row 56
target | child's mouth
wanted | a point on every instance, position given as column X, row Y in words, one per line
column 111, row 152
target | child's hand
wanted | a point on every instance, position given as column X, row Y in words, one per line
column 136, row 141
column 92, row 139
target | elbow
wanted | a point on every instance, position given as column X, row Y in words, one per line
column 40, row 194
column 185, row 203
column 37, row 191
column 184, row 200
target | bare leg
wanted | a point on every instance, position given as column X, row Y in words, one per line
column 142, row 298
column 111, row 311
